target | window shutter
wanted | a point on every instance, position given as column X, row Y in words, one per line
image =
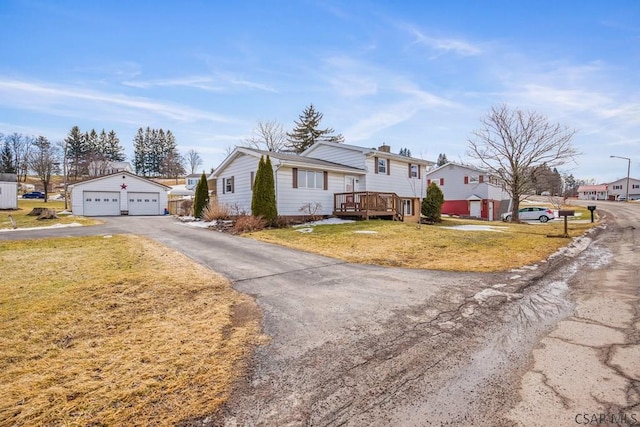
column 481, row 178
column 428, row 182
column 233, row 187
column 224, row 185
column 388, row 166
column 295, row 177
column 466, row 179
column 375, row 162
column 419, row 172
column 252, row 178
column 409, row 170
column 326, row 180
column 441, row 181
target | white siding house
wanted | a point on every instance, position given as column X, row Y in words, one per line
column 618, row 189
column 121, row 193
column 469, row 191
column 298, row 181
column 8, row 191
column 321, row 176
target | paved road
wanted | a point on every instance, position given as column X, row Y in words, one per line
column 366, row 345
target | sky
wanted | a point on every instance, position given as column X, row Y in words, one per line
column 410, row 74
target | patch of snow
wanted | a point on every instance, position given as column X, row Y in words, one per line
column 328, row 221
column 516, row 277
column 72, row 224
column 305, row 230
column 366, row 232
column 485, row 294
column 499, row 285
column 470, row 227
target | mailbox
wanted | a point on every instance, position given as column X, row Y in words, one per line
column 591, row 209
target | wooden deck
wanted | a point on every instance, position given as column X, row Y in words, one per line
column 367, row 204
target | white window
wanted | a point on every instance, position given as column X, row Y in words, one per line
column 414, row 171
column 635, row 185
column 473, row 178
column 310, row 179
column 382, row 165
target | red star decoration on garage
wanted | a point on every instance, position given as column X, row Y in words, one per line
column 123, row 186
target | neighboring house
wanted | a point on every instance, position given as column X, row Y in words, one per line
column 106, row 167
column 121, row 193
column 593, row 192
column 469, row 191
column 328, row 179
column 619, row 188
column 191, row 180
column 8, row 191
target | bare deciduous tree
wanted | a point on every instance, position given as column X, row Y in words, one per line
column 44, row 160
column 269, row 136
column 20, row 145
column 511, row 143
column 193, row 160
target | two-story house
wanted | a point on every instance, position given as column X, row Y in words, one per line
column 330, row 179
column 469, row 191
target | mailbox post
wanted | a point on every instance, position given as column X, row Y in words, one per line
column 591, row 209
column 566, row 214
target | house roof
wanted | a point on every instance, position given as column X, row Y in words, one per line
column 599, row 187
column 120, row 173
column 624, row 181
column 366, row 151
column 469, row 167
column 293, row 160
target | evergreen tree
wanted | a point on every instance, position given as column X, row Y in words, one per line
column 405, row 152
column 263, row 200
column 140, row 153
column 307, row 132
column 432, row 203
column 442, row 159
column 113, row 150
column 201, row 197
column 76, row 151
column 6, row 159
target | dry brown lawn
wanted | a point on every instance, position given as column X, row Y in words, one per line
column 115, row 331
column 433, row 247
column 23, row 220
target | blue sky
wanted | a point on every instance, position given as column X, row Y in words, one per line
column 414, row 74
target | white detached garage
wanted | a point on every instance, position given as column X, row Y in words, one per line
column 121, row 193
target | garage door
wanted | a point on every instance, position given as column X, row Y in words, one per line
column 101, row 203
column 144, row 203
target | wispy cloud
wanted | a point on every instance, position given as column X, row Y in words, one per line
column 44, row 97
column 443, row 45
column 211, row 84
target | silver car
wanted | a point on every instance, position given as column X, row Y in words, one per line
column 531, row 213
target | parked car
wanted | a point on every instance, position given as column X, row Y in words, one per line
column 33, row 195
column 531, row 213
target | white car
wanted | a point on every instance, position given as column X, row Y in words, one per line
column 531, row 213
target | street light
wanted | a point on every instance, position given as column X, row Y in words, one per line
column 628, row 170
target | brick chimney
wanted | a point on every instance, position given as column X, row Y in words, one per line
column 384, row 148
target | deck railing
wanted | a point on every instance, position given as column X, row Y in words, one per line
column 367, row 203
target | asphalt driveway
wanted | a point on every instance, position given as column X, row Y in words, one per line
column 355, row 344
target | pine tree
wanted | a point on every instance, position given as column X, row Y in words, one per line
column 263, row 200
column 405, row 152
column 442, row 160
column 432, row 203
column 6, row 159
column 306, row 131
column 113, row 150
column 76, row 152
column 140, row 153
column 201, row 197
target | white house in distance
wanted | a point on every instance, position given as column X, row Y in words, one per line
column 121, row 193
column 618, row 189
column 335, row 178
column 107, row 167
column 469, row 191
column 593, row 192
column 8, row 191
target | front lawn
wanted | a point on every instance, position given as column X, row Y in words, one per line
column 115, row 331
column 25, row 206
column 436, row 247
